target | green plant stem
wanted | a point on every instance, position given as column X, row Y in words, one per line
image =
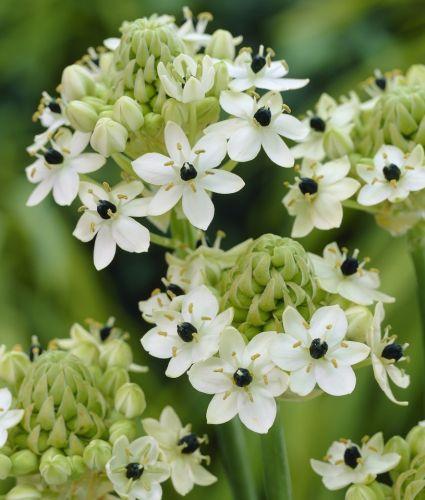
column 277, row 479
column 124, row 163
column 356, row 206
column 230, row 165
column 416, row 244
column 165, row 242
column 236, row 460
column 193, row 123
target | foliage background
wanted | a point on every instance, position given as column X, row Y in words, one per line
column 47, row 280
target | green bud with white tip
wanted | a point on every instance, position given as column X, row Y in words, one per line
column 108, row 137
column 416, row 440
column 55, row 468
column 359, row 322
column 24, row 492
column 129, row 113
column 13, row 366
column 116, row 353
column 97, row 454
column 360, row 492
column 130, row 400
column 398, row 445
column 81, row 115
column 120, row 428
column 221, row 45
column 77, row 82
column 24, row 462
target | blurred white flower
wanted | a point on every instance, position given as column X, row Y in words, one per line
column 385, row 354
column 392, row 176
column 181, row 450
column 8, row 417
column 187, row 174
column 315, row 199
column 243, row 379
column 348, row 463
column 59, row 167
column 108, row 216
column 317, row 353
column 193, row 32
column 337, row 272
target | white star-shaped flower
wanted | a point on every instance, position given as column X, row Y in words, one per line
column 193, row 33
column 161, row 301
column 385, row 354
column 243, row 379
column 317, row 353
column 392, row 176
column 261, row 72
column 135, row 469
column 8, row 417
column 59, row 167
column 315, row 199
column 187, row 174
column 377, row 85
column 190, row 335
column 258, row 124
column 348, row 463
column 108, row 216
column 337, row 272
column 181, row 450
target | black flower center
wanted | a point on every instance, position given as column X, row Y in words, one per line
column 104, row 209
column 105, row 332
column 263, row 116
column 53, row 157
column 258, row 63
column 351, row 456
column 391, row 172
column 381, row 82
column 349, row 266
column 35, row 351
column 133, row 471
column 185, row 331
column 174, row 290
column 317, row 124
column 392, row 351
column 191, row 443
column 318, row 348
column 242, row 377
column 54, row 107
column 188, row 171
column 308, row 186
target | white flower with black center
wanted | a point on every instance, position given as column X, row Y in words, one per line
column 257, row 124
column 315, row 199
column 180, row 448
column 386, row 353
column 8, row 417
column 377, row 85
column 243, row 379
column 108, row 216
column 187, row 174
column 392, row 176
column 161, row 301
column 189, row 335
column 317, row 353
column 186, row 79
column 259, row 71
column 346, row 462
column 344, row 274
column 59, row 167
column 135, row 469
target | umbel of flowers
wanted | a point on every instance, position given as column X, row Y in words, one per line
column 70, row 424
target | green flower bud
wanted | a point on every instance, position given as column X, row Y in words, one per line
column 24, row 462
column 97, row 454
column 149, row 138
column 221, row 45
column 207, row 112
column 129, row 113
column 13, row 366
column 337, row 143
column 24, row 492
column 122, row 428
column 55, row 468
column 81, row 116
column 398, row 445
column 359, row 321
column 108, row 137
column 416, row 440
column 360, row 492
column 117, row 353
column 175, row 111
column 5, row 467
column 130, row 400
column 78, row 467
column 416, row 74
column 221, row 79
column 272, row 274
column 76, row 83
column 113, row 379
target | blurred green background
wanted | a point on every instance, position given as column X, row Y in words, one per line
column 47, row 280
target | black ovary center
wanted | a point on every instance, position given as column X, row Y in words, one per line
column 105, row 332
column 104, row 207
column 317, row 124
column 35, row 351
column 174, row 290
column 188, row 171
column 133, row 471
column 392, row 351
column 351, row 456
column 242, row 377
column 381, row 82
column 53, row 157
column 349, row 266
column 308, row 186
column 54, row 107
column 263, row 116
column 191, row 443
column 258, row 63
column 391, row 172
column 318, row 349
column 185, row 331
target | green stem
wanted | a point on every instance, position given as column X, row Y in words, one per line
column 124, row 163
column 235, row 458
column 193, row 123
column 416, row 243
column 277, row 479
column 356, row 206
column 230, row 165
column 165, row 242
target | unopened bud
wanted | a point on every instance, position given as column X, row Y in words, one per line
column 108, row 137
column 336, row 143
column 398, row 445
column 78, row 467
column 13, row 367
column 359, row 321
column 113, row 379
column 221, row 79
column 129, row 113
column 416, row 440
column 5, row 467
column 360, row 492
column 207, row 112
column 175, row 111
column 416, row 74
column 122, row 428
column 130, row 400
column 116, row 353
column 97, row 454
column 76, row 83
column 23, row 492
column 55, row 468
column 24, row 462
column 81, row 116
column 221, row 45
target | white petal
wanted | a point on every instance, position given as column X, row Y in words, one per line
column 225, row 127
column 330, row 324
column 180, row 476
column 165, row 199
column 10, row 418
column 373, row 194
column 78, row 143
column 303, row 223
column 104, row 248
column 87, row 226
column 398, row 376
column 87, row 162
column 201, row 476
column 130, row 235
column 388, row 154
column 295, row 325
column 127, row 190
column 207, row 376
column 151, row 168
column 351, row 353
column 222, row 408
column 302, row 381
column 244, row 144
column 241, row 84
column 198, row 207
column 377, row 464
column 159, row 346
column 335, row 381
column 5, row 400
column 333, row 171
column 259, row 413
column 179, row 364
column 232, row 347
column 65, row 187
column 89, row 193
column 221, row 181
column 237, row 104
column 277, row 150
column 136, row 208
column 286, row 356
column 280, row 84
column 177, row 144
column 192, row 91
column 382, row 379
column 290, row 127
column 214, row 149
column 327, row 212
column 271, row 100
column 40, row 192
column 343, row 189
column 199, row 303
column 277, row 382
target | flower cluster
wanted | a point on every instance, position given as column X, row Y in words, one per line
column 373, row 148
column 347, row 463
column 69, row 422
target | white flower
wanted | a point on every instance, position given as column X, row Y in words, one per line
column 385, row 354
column 193, row 34
column 315, row 199
column 337, row 272
column 108, row 216
column 261, row 72
column 392, row 176
column 378, row 85
column 185, row 79
column 8, row 418
column 135, row 470
column 59, row 168
column 348, row 463
column 243, row 380
column 112, row 43
column 317, row 353
column 190, row 335
column 181, row 450
column 187, row 173
column 258, row 124
column 161, row 301
column 328, row 116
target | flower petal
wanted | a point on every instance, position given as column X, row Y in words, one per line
column 177, row 143
column 302, row 381
column 87, row 226
column 152, row 168
column 286, row 356
column 214, row 147
column 244, row 144
column 87, row 162
column 335, row 381
column 295, row 325
column 330, row 324
column 165, row 199
column 104, row 247
column 130, row 235
column 65, row 186
column 198, row 207
column 259, row 412
column 237, row 104
column 290, row 127
column 222, row 408
column 221, row 181
column 208, row 377
column 277, row 150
